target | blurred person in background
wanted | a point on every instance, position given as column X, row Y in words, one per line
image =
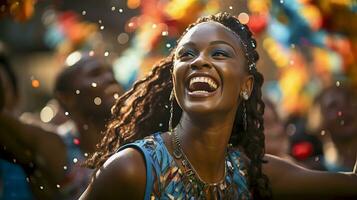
column 14, row 185
column 86, row 89
column 338, row 126
column 276, row 140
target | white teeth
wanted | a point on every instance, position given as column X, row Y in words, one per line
column 204, row 79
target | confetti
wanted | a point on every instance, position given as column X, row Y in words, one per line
column 41, row 187
column 75, row 160
column 65, row 167
column 84, row 12
column 338, row 83
column 154, row 26
column 99, row 21
column 113, row 8
column 94, row 84
column 323, row 132
column 85, row 127
column 168, row 45
column 116, row 96
column 231, row 7
column 58, row 186
column 66, row 113
column 35, row 83
column 97, row 101
column 165, row 33
column 121, row 10
column 281, row 1
column 123, row 38
column 102, row 27
column 78, row 92
column 243, row 18
column 76, row 141
column 85, row 154
column 91, row 53
column 106, row 53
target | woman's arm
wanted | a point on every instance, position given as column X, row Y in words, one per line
column 289, row 180
column 123, row 176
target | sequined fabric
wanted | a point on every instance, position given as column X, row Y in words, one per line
column 170, row 183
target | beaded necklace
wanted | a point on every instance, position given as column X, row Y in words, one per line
column 193, row 182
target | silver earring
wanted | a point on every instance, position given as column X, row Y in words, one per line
column 245, row 95
column 171, row 110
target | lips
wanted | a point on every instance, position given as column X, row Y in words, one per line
column 202, row 84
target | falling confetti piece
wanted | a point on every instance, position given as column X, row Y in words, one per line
column 97, row 101
column 120, row 10
column 85, row 154
column 113, row 8
column 65, row 167
column 84, row 12
column 91, row 53
column 78, row 92
column 154, row 26
column 94, row 84
column 323, row 132
column 58, row 186
column 281, row 1
column 41, row 187
column 168, row 45
column 231, row 7
column 116, row 96
column 339, row 113
column 165, row 33
column 106, row 54
column 99, row 21
column 35, row 83
column 338, row 83
column 66, row 113
column 102, row 27
column 75, row 160
column 243, row 18
column 76, row 141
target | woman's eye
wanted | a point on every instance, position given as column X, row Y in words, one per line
column 187, row 54
column 220, row 54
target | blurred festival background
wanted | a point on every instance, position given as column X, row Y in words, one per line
column 304, row 46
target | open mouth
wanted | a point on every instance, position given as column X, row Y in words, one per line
column 202, row 85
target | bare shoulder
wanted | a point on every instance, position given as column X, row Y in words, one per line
column 123, row 176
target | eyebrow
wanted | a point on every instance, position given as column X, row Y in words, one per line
column 222, row 42
column 213, row 43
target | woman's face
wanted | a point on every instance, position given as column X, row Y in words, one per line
column 209, row 70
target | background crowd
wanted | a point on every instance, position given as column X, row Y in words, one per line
column 64, row 63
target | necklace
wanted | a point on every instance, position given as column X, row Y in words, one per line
column 193, row 182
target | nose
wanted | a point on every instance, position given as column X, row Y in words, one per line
column 200, row 62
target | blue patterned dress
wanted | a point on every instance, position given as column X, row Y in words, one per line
column 165, row 180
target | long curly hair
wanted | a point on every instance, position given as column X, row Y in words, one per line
column 145, row 109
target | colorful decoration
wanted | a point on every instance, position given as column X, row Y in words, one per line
column 20, row 10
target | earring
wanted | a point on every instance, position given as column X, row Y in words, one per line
column 171, row 110
column 245, row 95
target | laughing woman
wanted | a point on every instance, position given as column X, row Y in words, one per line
column 193, row 129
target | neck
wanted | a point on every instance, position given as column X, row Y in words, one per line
column 206, row 141
column 89, row 134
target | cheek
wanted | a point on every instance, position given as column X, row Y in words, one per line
column 232, row 77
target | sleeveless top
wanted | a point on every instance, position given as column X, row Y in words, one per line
column 164, row 179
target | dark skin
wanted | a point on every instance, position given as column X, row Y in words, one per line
column 337, row 105
column 32, row 144
column 206, row 125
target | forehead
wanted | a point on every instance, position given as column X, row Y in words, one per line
column 210, row 31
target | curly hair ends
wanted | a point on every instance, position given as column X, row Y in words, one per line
column 145, row 109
